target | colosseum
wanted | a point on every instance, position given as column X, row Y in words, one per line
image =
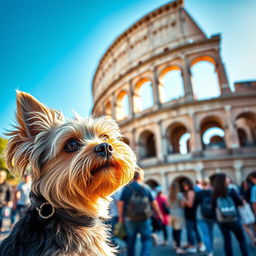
column 148, row 81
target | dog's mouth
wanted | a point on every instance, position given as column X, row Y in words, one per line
column 105, row 166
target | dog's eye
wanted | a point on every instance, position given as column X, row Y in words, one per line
column 72, row 146
column 104, row 137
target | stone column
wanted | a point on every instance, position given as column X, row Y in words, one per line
column 163, row 142
column 187, row 83
column 195, row 139
column 159, row 142
column 113, row 106
column 222, row 77
column 131, row 101
column 238, row 164
column 231, row 135
column 155, row 88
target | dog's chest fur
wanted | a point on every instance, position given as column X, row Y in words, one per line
column 33, row 236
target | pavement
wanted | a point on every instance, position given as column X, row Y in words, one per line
column 160, row 250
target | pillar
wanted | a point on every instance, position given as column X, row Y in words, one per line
column 231, row 135
column 187, row 83
column 222, row 77
column 113, row 106
column 155, row 88
column 131, row 101
column 195, row 139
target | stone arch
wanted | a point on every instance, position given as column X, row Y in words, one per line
column 122, row 105
column 108, row 110
column 152, row 183
column 205, row 81
column 143, row 95
column 246, row 128
column 179, row 138
column 147, row 144
column 212, row 133
column 171, row 84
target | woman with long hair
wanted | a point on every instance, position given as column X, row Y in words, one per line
column 231, row 224
column 193, row 235
column 177, row 215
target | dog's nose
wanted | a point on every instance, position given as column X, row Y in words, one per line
column 104, row 149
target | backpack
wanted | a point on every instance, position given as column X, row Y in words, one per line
column 226, row 209
column 138, row 207
column 206, row 208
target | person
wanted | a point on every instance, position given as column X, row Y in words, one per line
column 190, row 216
column 253, row 192
column 137, row 217
column 246, row 196
column 5, row 196
column 113, row 212
column 205, row 216
column 164, row 208
column 220, row 190
column 177, row 219
column 21, row 197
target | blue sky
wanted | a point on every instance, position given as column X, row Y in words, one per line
column 51, row 48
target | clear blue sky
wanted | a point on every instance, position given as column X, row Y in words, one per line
column 51, row 48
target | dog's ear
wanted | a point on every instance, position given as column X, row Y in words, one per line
column 33, row 116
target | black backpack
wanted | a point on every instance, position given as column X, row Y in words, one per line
column 226, row 209
column 139, row 206
column 206, row 207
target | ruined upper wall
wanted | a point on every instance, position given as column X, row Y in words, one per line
column 165, row 28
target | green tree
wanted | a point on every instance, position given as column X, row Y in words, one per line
column 3, row 143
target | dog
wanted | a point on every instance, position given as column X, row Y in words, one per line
column 75, row 166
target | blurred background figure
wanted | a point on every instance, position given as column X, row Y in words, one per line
column 21, row 197
column 5, row 197
column 177, row 218
column 164, row 208
column 228, row 221
column 193, row 235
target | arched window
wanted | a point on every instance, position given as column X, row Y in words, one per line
column 108, row 109
column 147, row 145
column 246, row 129
column 171, row 84
column 212, row 134
column 204, row 79
column 122, row 106
column 143, row 95
column 178, row 139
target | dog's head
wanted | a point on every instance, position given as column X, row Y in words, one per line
column 75, row 164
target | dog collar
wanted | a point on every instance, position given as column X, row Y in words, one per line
column 46, row 211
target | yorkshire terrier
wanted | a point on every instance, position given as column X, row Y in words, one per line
column 75, row 165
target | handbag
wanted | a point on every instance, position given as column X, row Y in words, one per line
column 246, row 214
column 120, row 231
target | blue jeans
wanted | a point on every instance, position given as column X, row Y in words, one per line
column 145, row 230
column 192, row 232
column 206, row 228
column 237, row 229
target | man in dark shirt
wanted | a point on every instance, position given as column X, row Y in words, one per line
column 5, row 195
column 133, row 226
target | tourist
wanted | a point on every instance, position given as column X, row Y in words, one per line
column 164, row 208
column 135, row 210
column 228, row 221
column 193, row 235
column 177, row 219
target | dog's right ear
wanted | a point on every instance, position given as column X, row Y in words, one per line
column 33, row 116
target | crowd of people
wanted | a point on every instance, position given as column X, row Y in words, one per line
column 196, row 209
column 140, row 209
column 14, row 201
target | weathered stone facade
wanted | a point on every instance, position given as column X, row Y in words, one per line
column 164, row 41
